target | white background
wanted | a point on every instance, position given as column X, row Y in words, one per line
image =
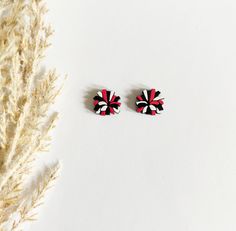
column 131, row 172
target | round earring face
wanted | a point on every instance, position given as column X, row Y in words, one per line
column 106, row 103
column 149, row 102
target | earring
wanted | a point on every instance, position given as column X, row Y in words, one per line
column 149, row 102
column 106, row 103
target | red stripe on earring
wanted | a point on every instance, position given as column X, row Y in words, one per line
column 113, row 98
column 104, row 94
column 95, row 102
column 140, row 109
column 155, row 102
column 139, row 98
column 103, row 113
column 112, row 110
column 161, row 102
column 152, row 95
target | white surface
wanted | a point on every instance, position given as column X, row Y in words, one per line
column 131, row 172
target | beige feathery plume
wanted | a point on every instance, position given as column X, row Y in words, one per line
column 28, row 210
column 26, row 95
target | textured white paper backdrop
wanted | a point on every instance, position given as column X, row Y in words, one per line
column 130, row 172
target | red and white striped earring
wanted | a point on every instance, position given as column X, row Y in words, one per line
column 106, row 103
column 149, row 102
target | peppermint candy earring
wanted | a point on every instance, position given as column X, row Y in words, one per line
column 106, row 103
column 149, row 102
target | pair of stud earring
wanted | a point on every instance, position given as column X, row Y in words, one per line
column 149, row 102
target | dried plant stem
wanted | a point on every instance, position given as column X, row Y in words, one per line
column 28, row 210
column 19, row 125
column 26, row 95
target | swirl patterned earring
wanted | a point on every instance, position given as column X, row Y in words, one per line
column 106, row 102
column 149, row 102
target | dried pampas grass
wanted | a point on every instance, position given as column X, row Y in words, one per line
column 25, row 97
